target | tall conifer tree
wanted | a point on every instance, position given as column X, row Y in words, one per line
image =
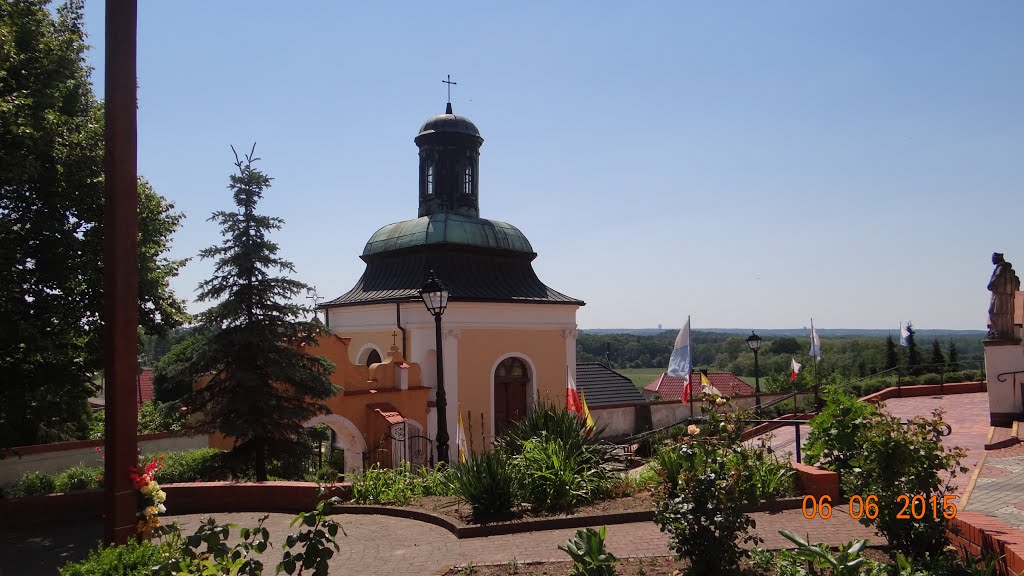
column 913, row 354
column 938, row 358
column 953, row 356
column 892, row 357
column 261, row 385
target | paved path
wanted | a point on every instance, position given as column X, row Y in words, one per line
column 999, row 490
column 385, row 546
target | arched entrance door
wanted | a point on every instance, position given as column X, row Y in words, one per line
column 511, row 392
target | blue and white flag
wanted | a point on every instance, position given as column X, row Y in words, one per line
column 904, row 333
column 815, row 342
column 679, row 364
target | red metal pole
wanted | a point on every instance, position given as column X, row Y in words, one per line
column 120, row 265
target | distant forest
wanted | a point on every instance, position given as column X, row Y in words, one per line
column 850, row 356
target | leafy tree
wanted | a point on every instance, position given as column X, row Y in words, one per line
column 913, row 354
column 953, row 356
column 785, row 345
column 892, row 357
column 51, row 227
column 172, row 378
column 937, row 357
column 261, row 386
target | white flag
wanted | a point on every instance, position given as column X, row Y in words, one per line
column 815, row 342
column 679, row 364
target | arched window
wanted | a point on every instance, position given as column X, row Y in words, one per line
column 468, row 182
column 373, row 358
column 430, row 179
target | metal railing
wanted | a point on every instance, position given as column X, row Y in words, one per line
column 1002, row 378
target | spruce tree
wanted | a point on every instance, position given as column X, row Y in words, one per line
column 938, row 358
column 953, row 356
column 913, row 354
column 892, row 357
column 257, row 384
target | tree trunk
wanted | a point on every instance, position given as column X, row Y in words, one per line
column 261, row 462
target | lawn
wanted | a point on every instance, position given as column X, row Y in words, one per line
column 641, row 376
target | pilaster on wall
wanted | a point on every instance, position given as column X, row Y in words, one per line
column 1004, row 371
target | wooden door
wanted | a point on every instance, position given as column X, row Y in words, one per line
column 511, row 393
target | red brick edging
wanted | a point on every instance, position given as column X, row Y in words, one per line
column 192, row 498
column 915, row 390
column 981, row 535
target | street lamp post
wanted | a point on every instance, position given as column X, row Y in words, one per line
column 754, row 342
column 435, row 298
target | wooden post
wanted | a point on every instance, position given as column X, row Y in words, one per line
column 120, row 269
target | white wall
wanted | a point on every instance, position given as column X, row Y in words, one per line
column 13, row 468
column 616, row 421
column 1004, row 397
column 671, row 413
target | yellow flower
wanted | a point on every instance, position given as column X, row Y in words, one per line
column 150, row 488
column 692, row 429
column 730, row 427
column 159, row 496
column 151, row 511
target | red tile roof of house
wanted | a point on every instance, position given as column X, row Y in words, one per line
column 671, row 387
column 144, row 386
column 388, row 411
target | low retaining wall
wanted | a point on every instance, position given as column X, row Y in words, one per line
column 983, row 536
column 915, row 390
column 53, row 458
column 817, row 482
column 194, row 498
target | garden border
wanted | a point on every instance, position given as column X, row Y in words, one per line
column 466, row 531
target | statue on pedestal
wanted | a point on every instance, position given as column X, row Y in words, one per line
column 1004, row 286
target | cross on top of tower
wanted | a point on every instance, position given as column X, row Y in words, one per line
column 311, row 294
column 448, row 109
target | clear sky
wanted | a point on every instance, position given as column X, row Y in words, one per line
column 751, row 164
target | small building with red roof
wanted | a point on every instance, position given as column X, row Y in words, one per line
column 671, row 387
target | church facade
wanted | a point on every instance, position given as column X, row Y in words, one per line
column 508, row 339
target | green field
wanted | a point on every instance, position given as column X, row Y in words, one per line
column 641, row 376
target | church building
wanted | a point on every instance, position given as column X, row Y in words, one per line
column 507, row 338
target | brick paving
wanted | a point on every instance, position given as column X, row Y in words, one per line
column 999, row 489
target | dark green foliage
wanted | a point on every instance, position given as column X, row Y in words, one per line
column 487, row 482
column 556, row 477
column 376, row 485
column 131, row 558
column 590, row 556
column 51, row 228
column 314, row 546
column 557, row 423
column 206, row 551
column 670, row 461
column 157, row 417
column 33, row 484
column 937, row 358
column 835, row 438
column 204, row 465
column 846, row 561
column 892, row 357
column 172, row 379
column 78, row 478
column 913, row 354
column 953, row 355
column 928, row 379
column 337, row 460
column 262, row 386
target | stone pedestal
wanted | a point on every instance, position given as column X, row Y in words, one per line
column 1002, row 359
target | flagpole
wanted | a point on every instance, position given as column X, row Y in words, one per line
column 689, row 377
column 817, row 391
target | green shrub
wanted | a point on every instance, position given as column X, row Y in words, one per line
column 127, row 559
column 34, row 484
column 337, row 460
column 376, row 485
column 202, row 465
column 436, row 481
column 770, row 477
column 590, row 556
column 559, row 424
column 705, row 522
column 898, row 459
column 487, row 482
column 929, row 379
column 834, row 439
column 157, row 417
column 79, row 478
column 556, row 478
column 670, row 463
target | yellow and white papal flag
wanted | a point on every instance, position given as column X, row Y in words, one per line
column 460, row 440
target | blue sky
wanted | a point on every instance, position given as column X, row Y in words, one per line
column 751, row 164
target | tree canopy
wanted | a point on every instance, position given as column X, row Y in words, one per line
column 51, row 227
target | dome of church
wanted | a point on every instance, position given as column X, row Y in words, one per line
column 449, row 123
column 447, row 228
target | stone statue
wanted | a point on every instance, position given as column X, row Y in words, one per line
column 1004, row 286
